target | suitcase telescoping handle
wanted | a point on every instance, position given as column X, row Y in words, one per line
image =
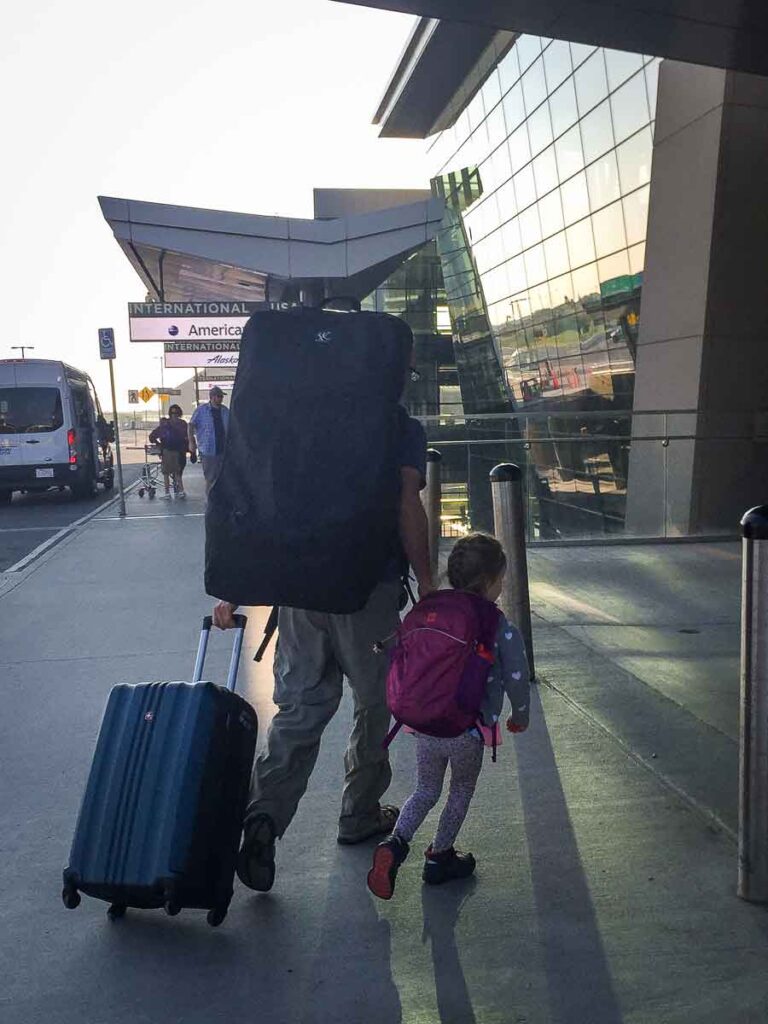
column 240, row 622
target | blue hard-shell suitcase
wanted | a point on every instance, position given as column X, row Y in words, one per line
column 162, row 813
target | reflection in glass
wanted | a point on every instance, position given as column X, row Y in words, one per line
column 530, row 227
column 525, row 187
column 556, row 255
column 603, row 181
column 528, row 49
column 535, row 267
column 562, row 106
column 491, row 90
column 591, row 83
column 569, row 152
column 634, row 158
column 630, row 107
column 597, row 133
column 608, row 228
column 514, row 108
column 575, row 198
column 534, row 86
column 509, row 69
column 545, row 172
column 621, row 66
column 557, row 63
column 551, row 213
column 637, row 258
column 636, row 215
column 580, row 52
column 505, row 198
column 540, row 129
column 581, row 242
column 519, row 148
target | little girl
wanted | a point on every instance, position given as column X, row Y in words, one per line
column 476, row 564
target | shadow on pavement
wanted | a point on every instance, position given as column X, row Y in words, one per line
column 441, row 909
column 578, row 975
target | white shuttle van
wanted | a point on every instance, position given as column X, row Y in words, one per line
column 52, row 430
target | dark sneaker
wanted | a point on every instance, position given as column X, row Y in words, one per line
column 387, row 858
column 256, row 859
column 447, row 865
column 383, row 826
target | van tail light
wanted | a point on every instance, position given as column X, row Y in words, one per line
column 71, row 442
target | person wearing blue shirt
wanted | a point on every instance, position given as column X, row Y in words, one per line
column 208, row 426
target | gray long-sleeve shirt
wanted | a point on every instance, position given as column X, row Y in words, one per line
column 509, row 675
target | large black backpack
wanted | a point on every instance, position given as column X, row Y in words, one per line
column 304, row 513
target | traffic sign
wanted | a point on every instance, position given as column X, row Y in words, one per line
column 133, row 398
column 145, row 394
column 106, row 343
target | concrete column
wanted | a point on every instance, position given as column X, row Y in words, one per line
column 704, row 314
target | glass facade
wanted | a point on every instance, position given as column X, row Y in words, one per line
column 546, row 176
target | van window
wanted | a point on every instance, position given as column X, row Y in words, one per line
column 30, row 410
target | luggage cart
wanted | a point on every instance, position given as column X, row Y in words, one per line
column 149, row 472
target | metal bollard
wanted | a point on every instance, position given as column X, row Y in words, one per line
column 433, row 504
column 509, row 527
column 753, row 733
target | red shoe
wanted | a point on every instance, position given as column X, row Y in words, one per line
column 387, row 858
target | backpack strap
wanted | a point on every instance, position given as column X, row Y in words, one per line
column 391, row 734
column 269, row 632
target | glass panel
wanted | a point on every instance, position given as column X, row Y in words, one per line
column 505, row 199
column 496, row 284
column 556, row 255
column 636, row 215
column 581, row 242
column 528, row 49
column 535, row 267
column 586, row 282
column 519, row 148
column 575, row 198
column 570, row 156
column 562, row 105
column 534, row 86
column 518, row 280
column 630, row 107
column 608, row 226
column 652, row 85
column 491, row 90
column 530, row 227
column 514, row 108
column 512, row 241
column 509, row 70
column 597, row 133
column 497, row 131
column 621, row 66
column 634, row 158
column 603, row 181
column 612, row 267
column 557, row 63
column 540, row 129
column 580, row 52
column 30, row 410
column 475, row 111
column 591, row 83
column 525, row 187
column 561, row 290
column 545, row 171
column 551, row 213
column 637, row 258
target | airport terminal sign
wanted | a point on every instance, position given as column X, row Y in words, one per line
column 202, row 354
column 190, row 321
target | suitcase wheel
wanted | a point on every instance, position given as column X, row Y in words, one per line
column 71, row 898
column 216, row 916
column 171, row 908
column 116, row 911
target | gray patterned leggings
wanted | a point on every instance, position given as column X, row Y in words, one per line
column 433, row 755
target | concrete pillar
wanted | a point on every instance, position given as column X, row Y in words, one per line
column 704, row 313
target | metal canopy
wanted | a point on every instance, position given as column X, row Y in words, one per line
column 721, row 33
column 186, row 253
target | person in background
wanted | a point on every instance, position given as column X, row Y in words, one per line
column 208, row 427
column 172, row 436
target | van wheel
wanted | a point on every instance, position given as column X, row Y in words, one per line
column 5, row 497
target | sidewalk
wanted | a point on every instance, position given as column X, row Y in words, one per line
column 601, row 896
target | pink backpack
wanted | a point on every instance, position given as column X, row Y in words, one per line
column 440, row 663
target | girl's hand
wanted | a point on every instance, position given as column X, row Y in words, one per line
column 513, row 726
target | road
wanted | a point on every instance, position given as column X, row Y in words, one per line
column 31, row 519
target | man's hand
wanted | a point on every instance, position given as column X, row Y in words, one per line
column 222, row 615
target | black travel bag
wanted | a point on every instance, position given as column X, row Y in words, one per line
column 304, row 512
column 160, row 821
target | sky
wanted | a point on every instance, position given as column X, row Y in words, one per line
column 232, row 105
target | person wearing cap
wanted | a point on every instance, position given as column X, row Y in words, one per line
column 208, row 426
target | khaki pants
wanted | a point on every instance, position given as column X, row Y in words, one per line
column 211, row 467
column 314, row 653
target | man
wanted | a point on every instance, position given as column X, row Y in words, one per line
column 208, row 426
column 315, row 652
